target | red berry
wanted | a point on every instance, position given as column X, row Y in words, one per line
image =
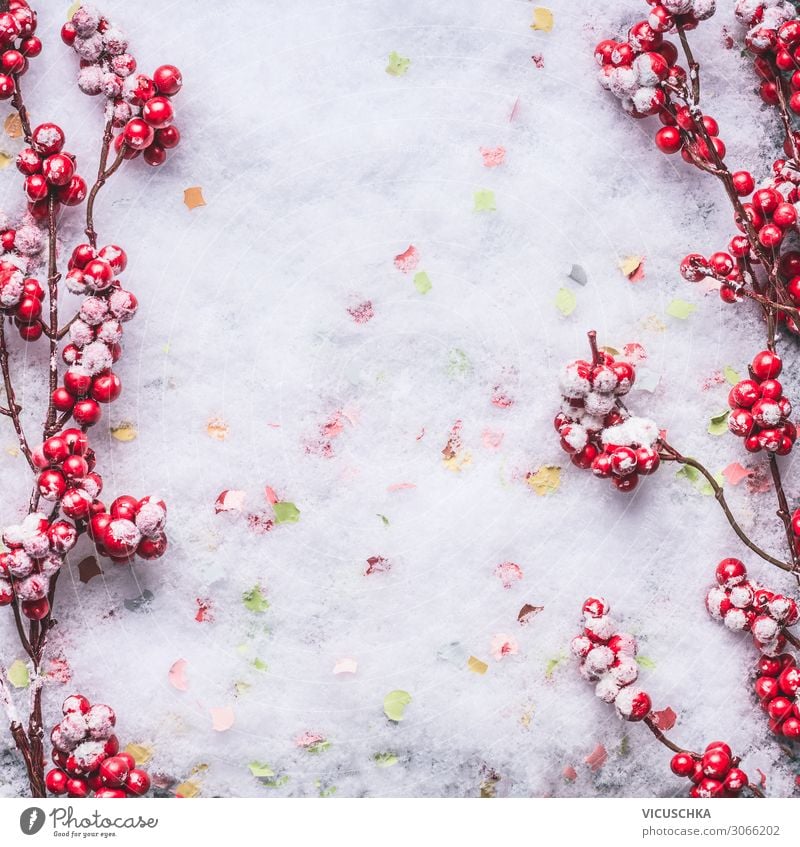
column 124, row 507
column 682, row 764
column 766, row 687
column 158, row 112
column 731, row 572
column 668, row 140
column 138, row 782
column 77, row 787
column 58, row 169
column 766, row 365
column 86, row 412
column 56, row 781
column 75, row 503
column 63, row 400
column 36, row 188
column 168, row 137
column 106, row 388
column 152, row 548
column 114, row 771
column 770, row 235
column 47, row 139
column 785, row 215
column 35, row 610
column 137, row 134
column 167, row 79
column 74, row 193
column 716, row 763
column 743, row 183
column 155, row 155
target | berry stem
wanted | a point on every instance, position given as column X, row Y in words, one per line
column 784, row 110
column 103, row 174
column 650, row 723
column 14, row 409
column 783, row 512
column 593, row 345
column 669, row 453
column 53, row 276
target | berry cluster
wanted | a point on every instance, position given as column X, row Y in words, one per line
column 714, row 774
column 128, row 528
column 87, row 758
column 777, row 686
column 17, row 43
column 608, row 658
column 96, row 332
column 21, row 298
column 745, row 606
column 139, row 105
column 641, row 71
column 49, row 172
column 599, row 433
column 36, row 550
column 759, row 411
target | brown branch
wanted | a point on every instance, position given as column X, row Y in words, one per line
column 14, row 408
column 784, row 110
column 53, row 276
column 103, row 174
column 783, row 511
column 650, row 723
column 669, row 453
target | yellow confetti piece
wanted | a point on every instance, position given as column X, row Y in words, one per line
column 545, row 480
column 5, row 160
column 141, row 754
column 217, row 429
column 193, row 197
column 190, row 788
column 542, row 19
column 458, row 462
column 476, row 665
column 653, row 323
column 632, row 267
column 13, row 452
column 13, row 126
column 125, row 431
column 72, row 9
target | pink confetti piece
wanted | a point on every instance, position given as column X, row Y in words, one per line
column 569, row 773
column 377, row 564
column 177, row 675
column 204, row 613
column 493, row 156
column 345, row 666
column 538, row 61
column 665, row 719
column 735, row 473
column 634, row 353
column 500, row 399
column 508, row 573
column 308, row 739
column 222, row 719
column 407, row 261
column 492, row 439
column 230, row 500
column 597, row 758
column 716, row 378
column 503, row 645
column 401, row 486
column 269, row 493
column 514, row 111
column 363, row 312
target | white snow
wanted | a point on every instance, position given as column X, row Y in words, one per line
column 318, row 168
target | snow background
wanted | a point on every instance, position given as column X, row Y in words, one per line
column 318, row 168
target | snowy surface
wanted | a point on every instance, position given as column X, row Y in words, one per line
column 318, row 168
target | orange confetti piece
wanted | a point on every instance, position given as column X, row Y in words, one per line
column 217, row 429
column 193, row 197
column 177, row 675
column 13, row 126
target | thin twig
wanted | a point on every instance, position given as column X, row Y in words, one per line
column 650, row 723
column 14, row 408
column 103, row 174
column 53, row 276
column 669, row 453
